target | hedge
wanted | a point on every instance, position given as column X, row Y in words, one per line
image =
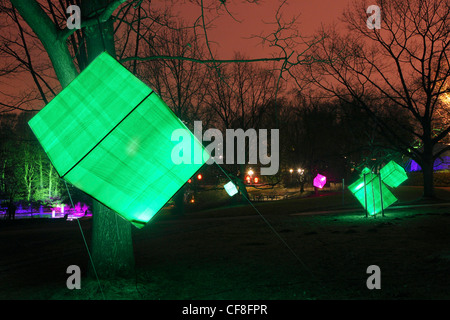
column 441, row 178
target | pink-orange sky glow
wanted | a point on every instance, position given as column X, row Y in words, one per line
column 233, row 33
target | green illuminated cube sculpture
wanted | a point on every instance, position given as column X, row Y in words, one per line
column 370, row 197
column 372, row 193
column 109, row 135
column 393, row 174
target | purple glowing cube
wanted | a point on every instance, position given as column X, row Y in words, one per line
column 319, row 181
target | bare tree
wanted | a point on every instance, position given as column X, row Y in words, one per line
column 181, row 83
column 239, row 93
column 405, row 64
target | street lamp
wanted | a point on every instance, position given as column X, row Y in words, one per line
column 301, row 179
column 250, row 176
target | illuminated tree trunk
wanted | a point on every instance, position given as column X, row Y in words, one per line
column 41, row 177
column 50, row 172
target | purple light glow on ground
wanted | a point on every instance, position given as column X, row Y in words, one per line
column 56, row 212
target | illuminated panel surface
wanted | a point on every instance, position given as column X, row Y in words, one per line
column 108, row 134
column 373, row 193
column 393, row 174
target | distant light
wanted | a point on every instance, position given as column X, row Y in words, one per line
column 256, row 180
column 250, row 172
column 291, row 170
column 199, row 176
column 190, row 180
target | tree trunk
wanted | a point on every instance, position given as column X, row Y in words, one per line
column 428, row 183
column 241, row 182
column 41, row 178
column 112, row 246
column 427, row 165
column 50, row 172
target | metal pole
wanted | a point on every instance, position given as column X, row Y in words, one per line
column 381, row 192
column 365, row 195
column 373, row 199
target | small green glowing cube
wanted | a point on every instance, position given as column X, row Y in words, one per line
column 365, row 171
column 393, row 174
column 231, row 189
column 110, row 135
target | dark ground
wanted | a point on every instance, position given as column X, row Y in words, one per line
column 233, row 254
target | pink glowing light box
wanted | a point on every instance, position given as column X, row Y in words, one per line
column 319, row 181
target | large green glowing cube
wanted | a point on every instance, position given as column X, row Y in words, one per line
column 372, row 197
column 109, row 135
column 358, row 185
column 393, row 174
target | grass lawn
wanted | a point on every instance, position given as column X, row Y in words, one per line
column 233, row 253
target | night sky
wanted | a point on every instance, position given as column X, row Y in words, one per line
column 232, row 36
